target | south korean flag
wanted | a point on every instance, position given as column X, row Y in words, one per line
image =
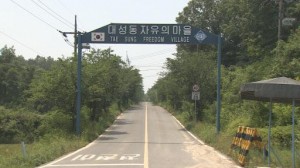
column 98, row 36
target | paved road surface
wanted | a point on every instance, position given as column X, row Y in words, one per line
column 145, row 136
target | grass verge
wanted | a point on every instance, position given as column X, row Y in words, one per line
column 47, row 149
column 54, row 145
column 280, row 156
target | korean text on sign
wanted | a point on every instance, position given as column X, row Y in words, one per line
column 149, row 30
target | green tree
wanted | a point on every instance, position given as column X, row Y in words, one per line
column 184, row 71
column 54, row 89
column 108, row 80
column 249, row 28
column 287, row 61
column 15, row 77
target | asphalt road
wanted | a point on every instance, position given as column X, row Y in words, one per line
column 145, row 136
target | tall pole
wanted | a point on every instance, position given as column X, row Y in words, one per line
column 269, row 133
column 195, row 110
column 219, row 86
column 293, row 135
column 77, row 40
column 78, row 101
column 75, row 37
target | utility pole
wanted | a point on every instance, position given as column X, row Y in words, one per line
column 78, row 88
column 75, row 38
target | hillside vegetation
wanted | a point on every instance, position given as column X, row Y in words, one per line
column 251, row 51
column 37, row 102
column 38, row 95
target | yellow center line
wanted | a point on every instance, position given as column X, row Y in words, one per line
column 146, row 161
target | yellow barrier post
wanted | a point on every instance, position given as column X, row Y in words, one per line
column 243, row 139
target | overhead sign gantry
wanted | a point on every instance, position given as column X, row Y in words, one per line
column 149, row 34
column 132, row 33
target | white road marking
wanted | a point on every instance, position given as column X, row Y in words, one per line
column 192, row 135
column 107, row 157
column 77, row 157
column 146, row 159
column 222, row 156
column 130, row 157
column 68, row 155
column 93, row 165
column 87, row 157
column 103, row 156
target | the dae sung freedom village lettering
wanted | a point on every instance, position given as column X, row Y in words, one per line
column 144, row 34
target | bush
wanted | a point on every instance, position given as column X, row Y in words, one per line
column 282, row 135
column 55, row 138
column 55, row 121
column 92, row 129
column 18, row 125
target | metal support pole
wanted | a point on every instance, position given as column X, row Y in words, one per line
column 293, row 135
column 269, row 133
column 219, row 86
column 23, row 147
column 75, row 37
column 195, row 110
column 78, row 102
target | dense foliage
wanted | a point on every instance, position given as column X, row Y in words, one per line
column 251, row 51
column 38, row 95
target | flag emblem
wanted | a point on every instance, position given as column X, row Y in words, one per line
column 98, row 36
column 200, row 36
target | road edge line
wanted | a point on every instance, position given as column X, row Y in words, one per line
column 146, row 152
column 66, row 156
column 224, row 157
column 192, row 135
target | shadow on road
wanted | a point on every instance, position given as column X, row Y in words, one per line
column 133, row 108
column 114, row 133
column 122, row 122
column 106, row 140
column 110, row 135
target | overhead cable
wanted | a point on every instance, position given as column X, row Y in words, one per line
column 153, row 54
column 71, row 12
column 56, row 13
column 20, row 43
column 64, row 22
column 34, row 15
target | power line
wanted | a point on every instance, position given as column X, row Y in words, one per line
column 20, row 43
column 159, row 51
column 65, row 6
column 34, row 15
column 153, row 54
column 66, row 40
column 64, row 22
column 56, row 13
column 154, row 63
column 72, row 13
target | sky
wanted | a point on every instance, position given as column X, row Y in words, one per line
column 31, row 27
